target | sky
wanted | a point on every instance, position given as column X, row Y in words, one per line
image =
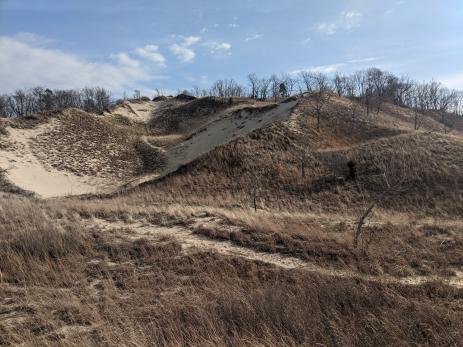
column 172, row 45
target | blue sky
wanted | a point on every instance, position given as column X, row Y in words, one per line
column 125, row 45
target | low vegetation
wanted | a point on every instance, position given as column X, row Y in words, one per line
column 337, row 225
column 88, row 286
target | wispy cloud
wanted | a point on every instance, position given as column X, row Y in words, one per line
column 253, row 37
column 322, row 69
column 351, row 19
column 124, row 59
column 346, row 21
column 24, row 65
column 306, row 40
column 363, row 60
column 329, row 69
column 183, row 50
column 151, row 53
column 218, row 48
column 327, row 28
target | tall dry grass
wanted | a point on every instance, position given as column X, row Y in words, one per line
column 64, row 285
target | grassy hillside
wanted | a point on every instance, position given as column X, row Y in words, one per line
column 250, row 242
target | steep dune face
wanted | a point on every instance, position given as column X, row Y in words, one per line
column 219, row 131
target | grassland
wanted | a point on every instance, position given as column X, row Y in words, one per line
column 251, row 243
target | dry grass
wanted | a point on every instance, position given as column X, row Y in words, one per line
column 63, row 283
column 397, row 250
column 78, row 287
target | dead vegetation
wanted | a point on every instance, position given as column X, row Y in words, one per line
column 285, row 190
column 65, row 285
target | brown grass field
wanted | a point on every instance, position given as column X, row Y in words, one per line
column 250, row 244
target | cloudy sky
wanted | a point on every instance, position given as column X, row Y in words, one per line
column 174, row 44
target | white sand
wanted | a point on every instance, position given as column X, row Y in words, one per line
column 24, row 170
column 139, row 111
column 28, row 172
column 219, row 131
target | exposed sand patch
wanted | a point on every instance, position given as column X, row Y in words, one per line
column 26, row 171
column 137, row 111
column 219, row 131
column 191, row 242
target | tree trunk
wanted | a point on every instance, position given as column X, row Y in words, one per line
column 360, row 223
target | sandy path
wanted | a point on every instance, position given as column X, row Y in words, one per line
column 26, row 171
column 191, row 242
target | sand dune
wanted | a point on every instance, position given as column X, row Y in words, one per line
column 26, row 171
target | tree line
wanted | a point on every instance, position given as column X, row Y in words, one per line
column 372, row 87
column 25, row 102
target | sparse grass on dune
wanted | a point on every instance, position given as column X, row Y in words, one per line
column 83, row 287
column 293, row 166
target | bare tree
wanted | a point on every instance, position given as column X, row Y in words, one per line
column 274, row 86
column 254, row 84
column 290, row 83
column 306, row 80
column 263, row 88
column 321, row 93
column 4, row 106
column 340, row 84
column 227, row 88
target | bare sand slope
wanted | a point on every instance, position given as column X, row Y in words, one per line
column 26, row 171
column 219, row 131
column 137, row 111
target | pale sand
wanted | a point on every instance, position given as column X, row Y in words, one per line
column 25, row 170
column 140, row 111
column 219, row 131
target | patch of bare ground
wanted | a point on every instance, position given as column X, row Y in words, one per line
column 63, row 284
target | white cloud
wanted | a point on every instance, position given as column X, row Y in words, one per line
column 388, row 12
column 183, row 53
column 329, row 69
column 23, row 65
column 219, row 48
column 234, row 25
column 351, row 15
column 363, row 60
column 204, row 30
column 183, row 50
column 322, row 69
column 253, row 37
column 151, row 53
column 124, row 60
column 191, row 40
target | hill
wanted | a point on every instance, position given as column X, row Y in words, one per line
column 212, row 221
